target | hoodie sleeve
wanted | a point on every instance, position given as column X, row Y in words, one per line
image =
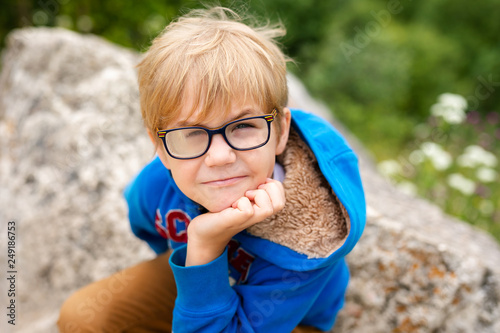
column 143, row 195
column 272, row 300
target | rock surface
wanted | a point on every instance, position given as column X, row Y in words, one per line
column 71, row 140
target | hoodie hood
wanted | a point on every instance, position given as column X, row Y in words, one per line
column 313, row 221
column 325, row 212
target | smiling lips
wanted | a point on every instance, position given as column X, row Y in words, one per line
column 223, row 182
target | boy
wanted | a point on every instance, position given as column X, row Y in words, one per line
column 259, row 207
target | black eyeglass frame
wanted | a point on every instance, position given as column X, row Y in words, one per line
column 219, row 130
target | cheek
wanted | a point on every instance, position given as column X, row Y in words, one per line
column 162, row 154
column 262, row 164
column 182, row 172
column 185, row 173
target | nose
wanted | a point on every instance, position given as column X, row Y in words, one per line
column 219, row 153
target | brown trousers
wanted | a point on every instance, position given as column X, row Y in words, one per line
column 138, row 299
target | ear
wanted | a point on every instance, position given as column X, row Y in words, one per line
column 151, row 137
column 286, row 120
column 160, row 151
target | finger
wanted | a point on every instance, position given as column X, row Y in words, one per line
column 263, row 205
column 273, row 184
column 240, row 212
column 243, row 204
column 276, row 193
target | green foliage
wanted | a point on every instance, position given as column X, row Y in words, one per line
column 379, row 64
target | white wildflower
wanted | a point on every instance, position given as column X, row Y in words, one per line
column 440, row 158
column 451, row 107
column 486, row 175
column 474, row 156
column 389, row 168
column 461, row 183
column 453, row 100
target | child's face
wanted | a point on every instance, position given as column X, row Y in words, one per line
column 222, row 175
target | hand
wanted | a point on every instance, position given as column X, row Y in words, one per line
column 208, row 234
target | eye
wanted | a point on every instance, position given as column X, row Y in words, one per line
column 243, row 125
column 193, row 133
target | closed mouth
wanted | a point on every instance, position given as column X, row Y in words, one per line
column 224, row 182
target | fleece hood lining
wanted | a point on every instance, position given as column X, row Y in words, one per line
column 314, row 222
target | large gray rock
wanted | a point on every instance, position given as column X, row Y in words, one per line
column 71, row 138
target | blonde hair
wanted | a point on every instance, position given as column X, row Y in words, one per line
column 216, row 58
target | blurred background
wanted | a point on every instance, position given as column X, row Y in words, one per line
column 418, row 82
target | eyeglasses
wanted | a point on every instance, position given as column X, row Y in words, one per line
column 243, row 134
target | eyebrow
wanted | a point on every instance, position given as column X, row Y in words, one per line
column 243, row 114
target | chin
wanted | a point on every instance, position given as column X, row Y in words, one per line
column 216, row 204
column 218, row 199
column 216, row 208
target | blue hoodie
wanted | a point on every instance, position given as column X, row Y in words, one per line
column 256, row 285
